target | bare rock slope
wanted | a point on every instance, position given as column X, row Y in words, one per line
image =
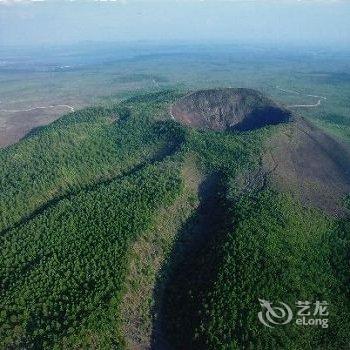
column 310, row 164
column 228, row 109
column 301, row 158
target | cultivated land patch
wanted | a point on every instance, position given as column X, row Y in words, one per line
column 15, row 124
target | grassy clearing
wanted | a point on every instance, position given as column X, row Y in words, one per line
column 139, row 309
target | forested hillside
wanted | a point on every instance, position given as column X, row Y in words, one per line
column 267, row 245
column 79, row 195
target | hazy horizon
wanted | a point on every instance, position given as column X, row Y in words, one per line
column 303, row 23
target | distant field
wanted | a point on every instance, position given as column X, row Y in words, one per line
column 88, row 77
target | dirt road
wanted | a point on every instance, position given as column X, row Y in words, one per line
column 311, row 105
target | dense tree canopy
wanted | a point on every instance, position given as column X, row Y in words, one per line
column 76, row 194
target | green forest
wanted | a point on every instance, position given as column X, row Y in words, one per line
column 77, row 194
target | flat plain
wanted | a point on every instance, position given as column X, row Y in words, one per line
column 37, row 87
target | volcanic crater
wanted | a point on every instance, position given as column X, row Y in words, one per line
column 228, row 109
column 301, row 158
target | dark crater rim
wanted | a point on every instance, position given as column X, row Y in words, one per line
column 232, row 109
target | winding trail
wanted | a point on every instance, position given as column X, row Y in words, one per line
column 288, row 91
column 309, row 105
column 33, row 108
column 171, row 113
column 320, row 98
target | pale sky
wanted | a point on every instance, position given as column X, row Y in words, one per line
column 305, row 22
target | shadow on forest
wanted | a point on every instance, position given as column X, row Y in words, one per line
column 189, row 269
